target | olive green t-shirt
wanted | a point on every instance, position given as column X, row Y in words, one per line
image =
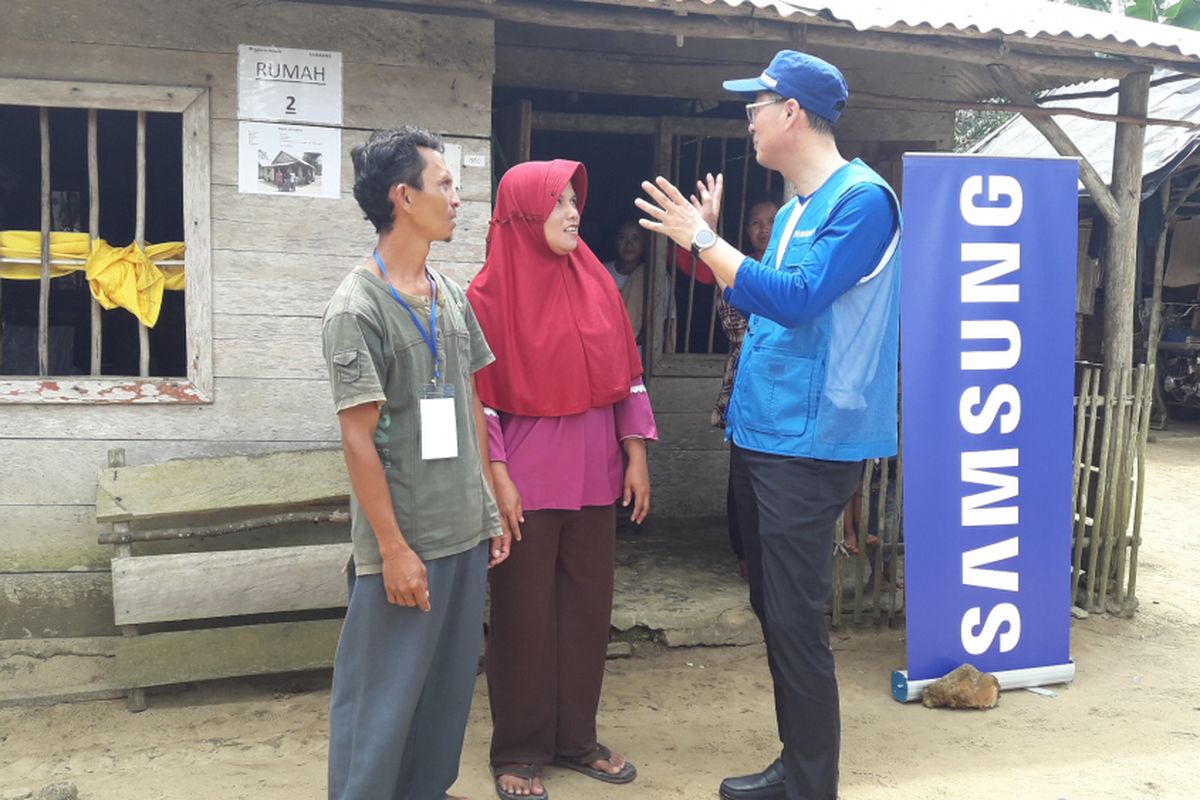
column 376, row 354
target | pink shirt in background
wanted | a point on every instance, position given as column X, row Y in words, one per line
column 570, row 462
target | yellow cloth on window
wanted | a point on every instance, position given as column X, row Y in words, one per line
column 124, row 277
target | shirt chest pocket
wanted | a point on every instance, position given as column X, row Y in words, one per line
column 798, row 248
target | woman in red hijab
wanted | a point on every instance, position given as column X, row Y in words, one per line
column 568, row 420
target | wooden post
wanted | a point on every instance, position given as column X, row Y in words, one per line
column 860, row 532
column 1136, row 539
column 1110, row 409
column 1085, row 434
column 691, row 311
column 712, row 317
column 1125, row 490
column 882, row 552
column 1120, row 256
column 1115, row 466
column 896, row 520
column 93, row 159
column 137, row 696
column 659, row 336
column 835, row 600
column 140, row 237
column 1154, row 327
column 43, row 342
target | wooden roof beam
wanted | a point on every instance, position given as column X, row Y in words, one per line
column 868, row 100
column 1099, row 191
column 664, row 22
column 1083, row 45
column 979, row 53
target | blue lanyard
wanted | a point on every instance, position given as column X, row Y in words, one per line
column 430, row 337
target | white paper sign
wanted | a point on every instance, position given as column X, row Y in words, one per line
column 452, row 155
column 439, row 430
column 289, row 160
column 289, row 85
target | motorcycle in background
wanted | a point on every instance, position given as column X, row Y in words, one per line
column 1179, row 356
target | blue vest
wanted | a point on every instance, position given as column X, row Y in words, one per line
column 827, row 388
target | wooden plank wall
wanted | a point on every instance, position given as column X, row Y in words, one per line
column 275, row 259
column 688, row 465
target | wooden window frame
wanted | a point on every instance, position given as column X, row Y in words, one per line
column 193, row 104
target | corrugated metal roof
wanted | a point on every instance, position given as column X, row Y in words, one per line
column 1027, row 18
column 1165, row 146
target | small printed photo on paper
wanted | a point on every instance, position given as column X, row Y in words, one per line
column 290, row 160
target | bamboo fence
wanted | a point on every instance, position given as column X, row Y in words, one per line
column 1112, row 417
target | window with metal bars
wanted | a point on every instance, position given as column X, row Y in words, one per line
column 104, row 274
column 693, row 295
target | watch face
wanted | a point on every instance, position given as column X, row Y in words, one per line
column 704, row 238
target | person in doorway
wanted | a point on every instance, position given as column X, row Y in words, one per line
column 631, row 275
column 815, row 391
column 402, row 347
column 564, row 399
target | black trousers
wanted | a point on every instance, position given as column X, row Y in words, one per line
column 787, row 507
column 731, row 516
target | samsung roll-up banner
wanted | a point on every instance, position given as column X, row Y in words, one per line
column 987, row 348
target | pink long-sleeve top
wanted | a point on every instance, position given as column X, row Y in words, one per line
column 570, row 462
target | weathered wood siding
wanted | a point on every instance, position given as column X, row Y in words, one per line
column 275, row 259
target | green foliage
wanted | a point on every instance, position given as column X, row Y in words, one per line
column 1184, row 14
column 971, row 126
column 1144, row 9
column 1181, row 13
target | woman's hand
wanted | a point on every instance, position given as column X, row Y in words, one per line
column 637, row 479
column 508, row 499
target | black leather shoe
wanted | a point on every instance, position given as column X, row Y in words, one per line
column 765, row 785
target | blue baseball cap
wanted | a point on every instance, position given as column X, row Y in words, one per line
column 815, row 84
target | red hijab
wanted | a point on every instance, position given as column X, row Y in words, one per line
column 557, row 324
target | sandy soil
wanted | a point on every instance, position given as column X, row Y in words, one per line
column 1129, row 727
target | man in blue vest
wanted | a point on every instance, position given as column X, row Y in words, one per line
column 815, row 391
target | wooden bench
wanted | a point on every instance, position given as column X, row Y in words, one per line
column 178, row 611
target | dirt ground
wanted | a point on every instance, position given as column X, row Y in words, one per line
column 1128, row 727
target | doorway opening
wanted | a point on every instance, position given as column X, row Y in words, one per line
column 676, row 312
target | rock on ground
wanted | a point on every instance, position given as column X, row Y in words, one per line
column 965, row 687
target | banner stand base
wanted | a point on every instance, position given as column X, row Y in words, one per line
column 905, row 691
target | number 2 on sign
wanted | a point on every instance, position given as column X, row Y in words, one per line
column 291, row 104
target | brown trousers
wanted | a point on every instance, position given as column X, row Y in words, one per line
column 551, row 610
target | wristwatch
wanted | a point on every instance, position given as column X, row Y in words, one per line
column 702, row 240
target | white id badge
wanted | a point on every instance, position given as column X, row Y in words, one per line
column 439, row 428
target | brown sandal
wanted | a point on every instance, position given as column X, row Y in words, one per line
column 526, row 772
column 584, row 764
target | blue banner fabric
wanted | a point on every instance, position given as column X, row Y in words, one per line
column 987, row 366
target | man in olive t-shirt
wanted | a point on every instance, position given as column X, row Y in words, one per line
column 402, row 347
